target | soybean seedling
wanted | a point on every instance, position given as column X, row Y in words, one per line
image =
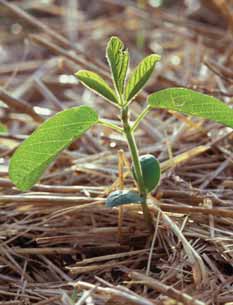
column 41, row 148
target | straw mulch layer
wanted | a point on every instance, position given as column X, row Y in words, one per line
column 59, row 244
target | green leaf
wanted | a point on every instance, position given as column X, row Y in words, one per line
column 118, row 60
column 192, row 103
column 41, row 148
column 140, row 76
column 3, row 128
column 94, row 82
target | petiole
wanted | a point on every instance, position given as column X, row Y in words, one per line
column 140, row 118
column 106, row 123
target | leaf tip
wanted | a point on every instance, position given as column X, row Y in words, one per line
column 156, row 57
column 80, row 73
column 114, row 44
column 114, row 39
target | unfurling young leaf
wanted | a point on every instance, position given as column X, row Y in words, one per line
column 192, row 103
column 118, row 60
column 140, row 76
column 94, row 82
column 41, row 148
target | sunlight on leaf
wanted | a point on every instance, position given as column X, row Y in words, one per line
column 94, row 82
column 192, row 103
column 118, row 60
column 41, row 148
column 140, row 76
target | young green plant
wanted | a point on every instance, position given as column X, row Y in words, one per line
column 42, row 147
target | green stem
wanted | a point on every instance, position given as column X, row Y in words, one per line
column 137, row 166
column 110, row 125
column 140, row 118
column 121, row 100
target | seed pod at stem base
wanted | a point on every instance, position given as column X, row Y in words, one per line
column 150, row 171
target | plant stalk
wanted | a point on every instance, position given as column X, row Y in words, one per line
column 137, row 166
